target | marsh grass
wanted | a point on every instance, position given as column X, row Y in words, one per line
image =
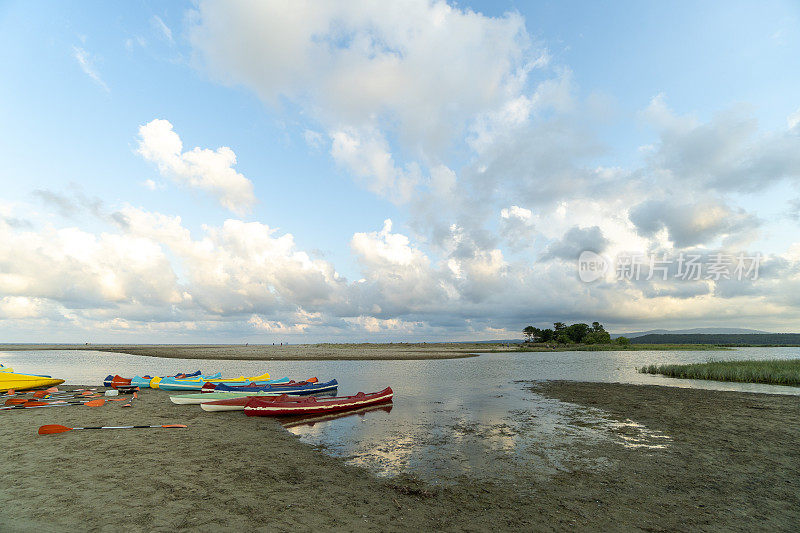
column 775, row 372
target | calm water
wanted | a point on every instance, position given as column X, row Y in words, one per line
column 452, row 417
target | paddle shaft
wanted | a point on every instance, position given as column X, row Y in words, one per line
column 56, row 428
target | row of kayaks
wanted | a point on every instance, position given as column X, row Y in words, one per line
column 256, row 395
column 191, row 381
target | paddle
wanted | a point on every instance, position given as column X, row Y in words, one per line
column 17, row 401
column 32, row 403
column 130, row 402
column 55, row 428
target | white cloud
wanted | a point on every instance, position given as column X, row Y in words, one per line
column 87, row 66
column 208, row 170
column 793, row 120
column 159, row 24
column 367, row 156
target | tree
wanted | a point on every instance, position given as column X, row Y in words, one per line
column 623, row 341
column 529, row 333
column 597, row 326
column 547, row 335
column 558, row 327
column 576, row 332
column 597, row 337
column 563, row 339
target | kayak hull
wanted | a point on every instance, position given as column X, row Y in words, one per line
column 286, row 406
column 197, row 383
column 10, row 380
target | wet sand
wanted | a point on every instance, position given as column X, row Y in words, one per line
column 294, row 352
column 732, row 463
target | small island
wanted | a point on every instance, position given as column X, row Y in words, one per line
column 594, row 337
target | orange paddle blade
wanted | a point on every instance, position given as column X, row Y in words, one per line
column 96, row 403
column 52, row 389
column 10, row 392
column 35, row 404
column 40, row 393
column 135, row 395
column 15, row 401
column 52, row 428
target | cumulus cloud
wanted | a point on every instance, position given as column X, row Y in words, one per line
column 575, row 241
column 208, row 170
column 429, row 65
column 367, row 156
column 691, row 224
column 516, row 226
column 727, row 153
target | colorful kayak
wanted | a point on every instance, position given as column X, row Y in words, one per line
column 144, row 381
column 238, row 402
column 197, row 383
column 10, row 380
column 155, row 383
column 299, row 390
column 111, row 381
column 286, row 405
column 291, row 387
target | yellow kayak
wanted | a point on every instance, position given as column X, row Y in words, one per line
column 10, row 380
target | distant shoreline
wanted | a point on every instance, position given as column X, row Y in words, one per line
column 333, row 352
column 286, row 352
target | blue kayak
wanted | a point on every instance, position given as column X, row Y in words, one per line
column 291, row 388
column 144, row 381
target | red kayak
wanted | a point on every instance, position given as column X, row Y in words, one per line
column 211, row 387
column 287, row 405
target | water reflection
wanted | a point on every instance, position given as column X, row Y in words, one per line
column 298, row 422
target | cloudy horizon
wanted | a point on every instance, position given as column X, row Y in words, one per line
column 367, row 171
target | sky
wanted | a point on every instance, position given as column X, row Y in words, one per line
column 242, row 171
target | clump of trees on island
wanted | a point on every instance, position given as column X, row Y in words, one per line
column 574, row 334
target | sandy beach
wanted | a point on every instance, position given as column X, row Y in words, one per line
column 732, row 464
column 293, row 352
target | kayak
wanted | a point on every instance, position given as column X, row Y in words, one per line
column 291, row 387
column 155, row 383
column 111, row 381
column 238, row 402
column 276, row 390
column 212, row 387
column 206, row 397
column 197, row 383
column 286, row 405
column 144, row 381
column 10, row 380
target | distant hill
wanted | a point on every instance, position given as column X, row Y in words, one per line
column 759, row 339
column 694, row 331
